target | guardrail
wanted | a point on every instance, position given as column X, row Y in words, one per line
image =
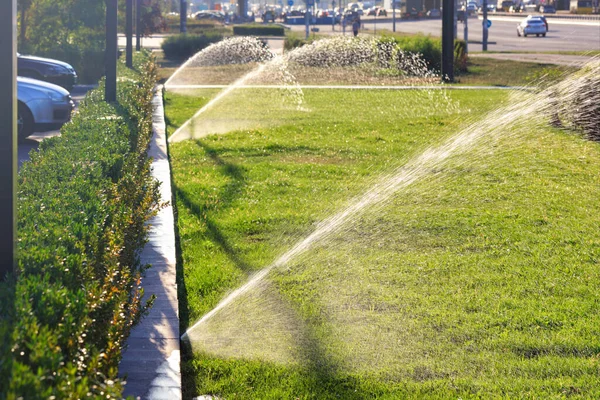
column 584, row 17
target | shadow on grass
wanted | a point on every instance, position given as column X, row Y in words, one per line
column 319, row 377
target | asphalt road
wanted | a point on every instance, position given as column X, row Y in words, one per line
column 563, row 35
column 33, row 141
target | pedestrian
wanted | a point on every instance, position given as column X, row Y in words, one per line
column 355, row 25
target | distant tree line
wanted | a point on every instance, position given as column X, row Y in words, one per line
column 74, row 30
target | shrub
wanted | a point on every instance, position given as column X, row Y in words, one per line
column 293, row 41
column 431, row 51
column 258, row 30
column 183, row 46
column 83, row 201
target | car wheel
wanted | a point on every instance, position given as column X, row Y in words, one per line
column 24, row 121
column 543, row 34
column 524, row 35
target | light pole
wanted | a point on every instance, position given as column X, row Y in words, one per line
column 110, row 87
column 129, row 33
column 448, row 41
column 394, row 15
column 485, row 26
column 183, row 16
column 8, row 134
column 138, row 25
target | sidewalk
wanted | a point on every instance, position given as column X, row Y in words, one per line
column 151, row 361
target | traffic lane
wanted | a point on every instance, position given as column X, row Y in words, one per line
column 32, row 142
column 502, row 35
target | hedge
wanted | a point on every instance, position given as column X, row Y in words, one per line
column 183, row 46
column 431, row 50
column 258, row 30
column 83, row 201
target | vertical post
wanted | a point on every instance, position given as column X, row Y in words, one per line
column 8, row 136
column 129, row 33
column 306, row 21
column 448, row 41
column 466, row 32
column 485, row 26
column 394, row 15
column 138, row 25
column 183, row 16
column 110, row 89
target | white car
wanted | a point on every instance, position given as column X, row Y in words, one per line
column 42, row 106
column 531, row 26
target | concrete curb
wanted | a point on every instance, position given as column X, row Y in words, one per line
column 151, row 361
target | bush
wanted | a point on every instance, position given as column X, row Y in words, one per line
column 183, row 46
column 431, row 51
column 197, row 27
column 258, row 30
column 293, row 40
column 83, row 201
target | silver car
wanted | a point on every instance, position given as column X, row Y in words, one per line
column 42, row 106
column 532, row 26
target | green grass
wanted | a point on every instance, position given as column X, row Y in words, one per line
column 488, row 71
column 480, row 281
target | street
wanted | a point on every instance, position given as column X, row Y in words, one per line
column 563, row 35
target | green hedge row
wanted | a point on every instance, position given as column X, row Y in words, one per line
column 258, row 30
column 83, row 201
column 183, row 46
column 431, row 50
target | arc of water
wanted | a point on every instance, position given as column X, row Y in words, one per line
column 240, row 82
column 382, row 191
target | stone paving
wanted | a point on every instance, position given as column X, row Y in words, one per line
column 151, row 361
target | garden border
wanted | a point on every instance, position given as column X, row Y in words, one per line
column 151, row 362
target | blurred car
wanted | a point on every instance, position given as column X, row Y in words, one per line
column 434, row 13
column 547, row 10
column 505, row 5
column 46, row 69
column 377, row 11
column 210, row 15
column 490, row 8
column 532, row 26
column 42, row 106
column 471, row 7
column 268, row 16
column 519, row 8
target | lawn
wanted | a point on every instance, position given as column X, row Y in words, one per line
column 479, row 280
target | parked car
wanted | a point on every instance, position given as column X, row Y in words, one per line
column 519, row 8
column 46, row 69
column 531, row 26
column 434, row 13
column 547, row 10
column 471, row 8
column 505, row 6
column 42, row 106
column 377, row 11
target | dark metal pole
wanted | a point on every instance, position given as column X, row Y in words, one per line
column 394, row 15
column 110, row 89
column 183, row 17
column 485, row 26
column 448, row 41
column 138, row 25
column 129, row 33
column 8, row 135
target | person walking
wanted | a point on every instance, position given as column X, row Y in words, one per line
column 356, row 25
